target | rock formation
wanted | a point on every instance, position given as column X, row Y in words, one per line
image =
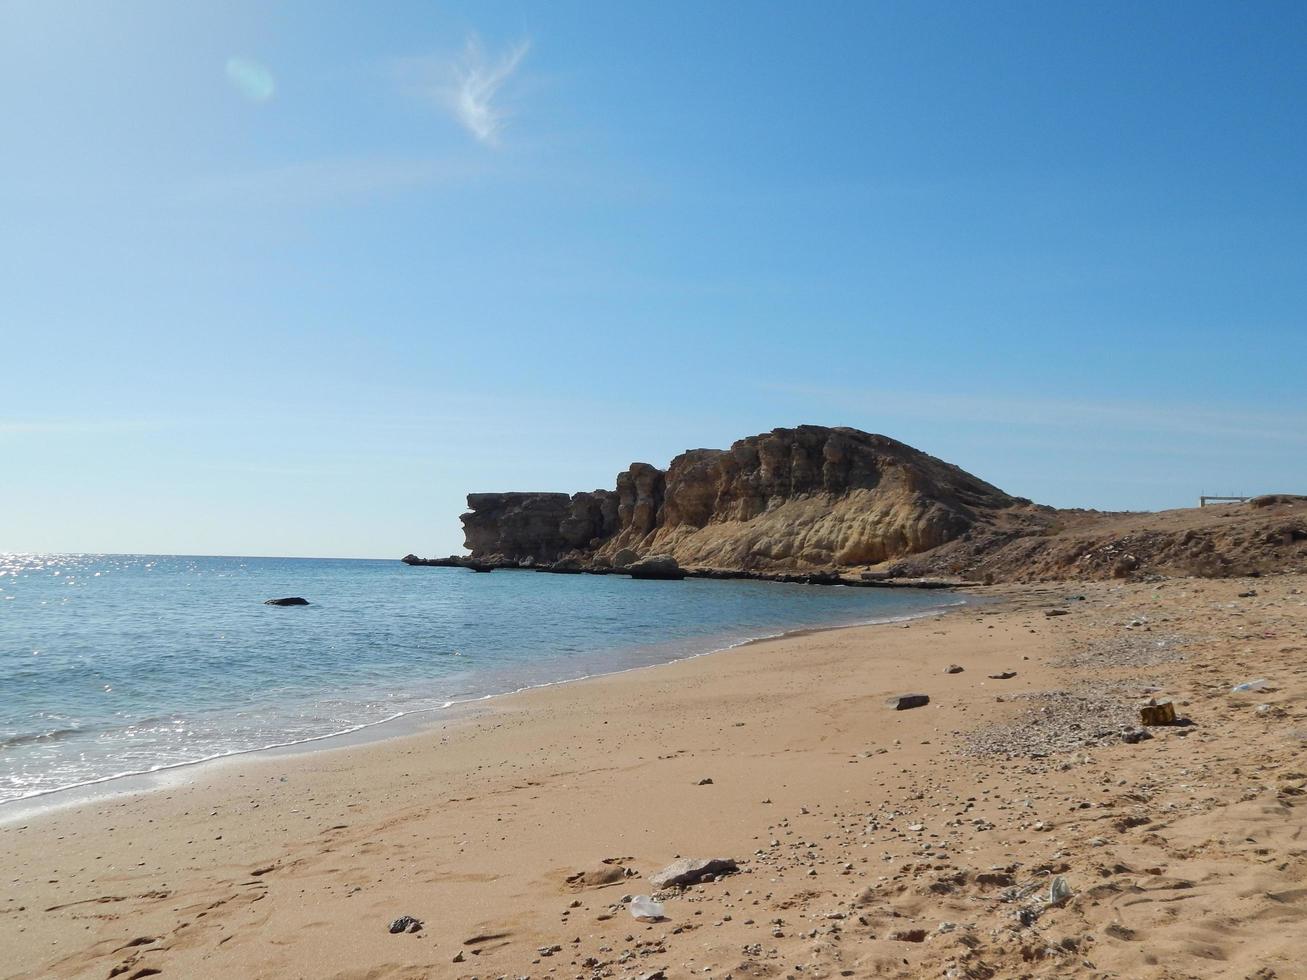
column 803, row 498
column 840, row 506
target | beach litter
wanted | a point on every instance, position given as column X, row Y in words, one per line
column 1157, row 713
column 646, row 909
column 1256, row 685
column 1059, row 891
column 405, row 923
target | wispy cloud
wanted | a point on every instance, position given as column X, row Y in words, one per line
column 470, row 86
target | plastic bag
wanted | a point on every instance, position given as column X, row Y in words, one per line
column 644, row 907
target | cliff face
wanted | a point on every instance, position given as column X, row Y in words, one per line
column 809, row 497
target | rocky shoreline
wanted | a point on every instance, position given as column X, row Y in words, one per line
column 574, row 567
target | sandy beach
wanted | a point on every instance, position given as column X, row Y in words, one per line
column 869, row 841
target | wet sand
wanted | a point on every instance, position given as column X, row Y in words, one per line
column 870, row 841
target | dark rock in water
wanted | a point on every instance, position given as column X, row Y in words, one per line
column 453, row 561
column 564, row 566
column 405, row 923
column 688, row 871
column 289, row 601
column 656, row 566
column 903, row 702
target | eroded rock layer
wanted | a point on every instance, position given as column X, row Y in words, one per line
column 808, row 497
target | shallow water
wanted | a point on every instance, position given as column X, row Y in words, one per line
column 113, row 664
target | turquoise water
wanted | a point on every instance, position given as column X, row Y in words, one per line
column 115, row 664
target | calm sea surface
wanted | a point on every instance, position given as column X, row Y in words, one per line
column 114, row 664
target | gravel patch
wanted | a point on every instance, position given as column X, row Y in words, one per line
column 1061, row 721
column 1141, row 649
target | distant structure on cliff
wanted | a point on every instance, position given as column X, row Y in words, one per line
column 1207, row 499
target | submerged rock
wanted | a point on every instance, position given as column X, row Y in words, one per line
column 656, row 566
column 288, row 601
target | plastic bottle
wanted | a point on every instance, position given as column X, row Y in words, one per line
column 1256, row 685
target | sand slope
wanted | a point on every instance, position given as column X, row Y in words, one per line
column 871, row 842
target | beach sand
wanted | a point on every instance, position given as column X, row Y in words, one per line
column 871, row 842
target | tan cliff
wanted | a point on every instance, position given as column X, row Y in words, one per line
column 810, row 497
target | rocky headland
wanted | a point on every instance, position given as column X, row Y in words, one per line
column 838, row 505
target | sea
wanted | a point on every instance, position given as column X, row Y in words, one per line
column 113, row 665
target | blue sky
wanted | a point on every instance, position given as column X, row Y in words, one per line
column 294, row 278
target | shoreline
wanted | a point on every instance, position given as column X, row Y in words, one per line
column 413, row 721
column 869, row 841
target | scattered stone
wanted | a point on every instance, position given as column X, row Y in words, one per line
column 1056, row 612
column 909, row 936
column 953, row 669
column 1006, row 675
column 405, row 923
column 706, row 781
column 902, row 702
column 688, row 871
